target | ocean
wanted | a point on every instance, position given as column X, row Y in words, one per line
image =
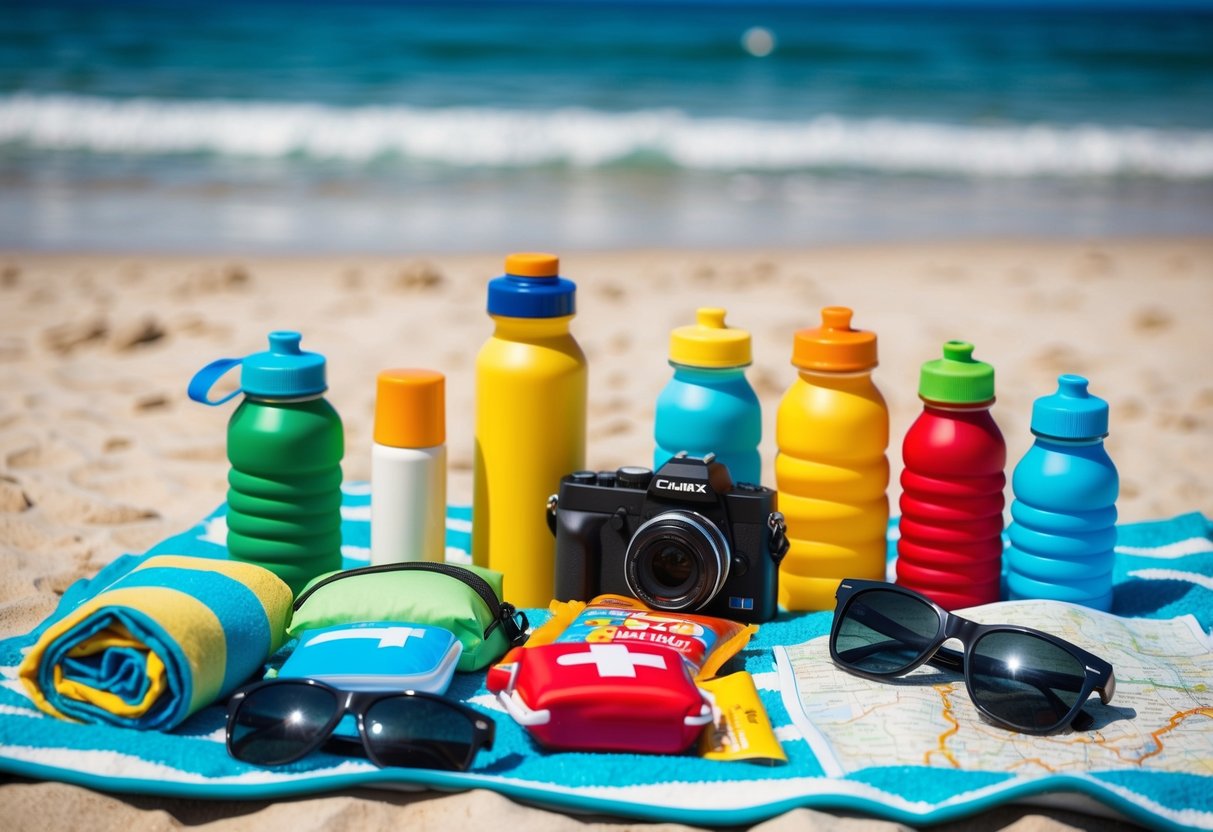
column 331, row 126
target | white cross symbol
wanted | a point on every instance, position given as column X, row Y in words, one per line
column 612, row 660
column 388, row 636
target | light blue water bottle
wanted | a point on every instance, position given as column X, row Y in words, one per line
column 1063, row 529
column 708, row 406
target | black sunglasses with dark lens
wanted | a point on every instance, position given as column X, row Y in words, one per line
column 1017, row 677
column 278, row 721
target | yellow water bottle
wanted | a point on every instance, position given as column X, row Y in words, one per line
column 832, row 430
column 530, row 423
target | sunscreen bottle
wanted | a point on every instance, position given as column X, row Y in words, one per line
column 832, row 430
column 950, row 547
column 530, row 423
column 708, row 406
column 285, row 443
column 1063, row 517
column 408, row 468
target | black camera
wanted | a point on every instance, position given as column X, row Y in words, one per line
column 685, row 538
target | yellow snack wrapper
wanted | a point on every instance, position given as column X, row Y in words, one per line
column 741, row 729
column 705, row 642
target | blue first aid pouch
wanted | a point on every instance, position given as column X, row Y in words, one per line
column 376, row 655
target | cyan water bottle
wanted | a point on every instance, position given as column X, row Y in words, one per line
column 285, row 444
column 708, row 406
column 1063, row 529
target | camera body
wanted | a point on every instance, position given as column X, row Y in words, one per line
column 684, row 538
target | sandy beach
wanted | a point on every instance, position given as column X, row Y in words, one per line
column 101, row 453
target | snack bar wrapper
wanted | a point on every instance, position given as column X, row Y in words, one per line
column 704, row 642
column 630, row 696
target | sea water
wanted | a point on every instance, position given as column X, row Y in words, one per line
column 267, row 125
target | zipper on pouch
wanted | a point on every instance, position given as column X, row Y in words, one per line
column 505, row 615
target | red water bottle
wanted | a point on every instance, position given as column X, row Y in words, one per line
column 950, row 548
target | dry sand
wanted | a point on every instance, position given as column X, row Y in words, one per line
column 101, row 453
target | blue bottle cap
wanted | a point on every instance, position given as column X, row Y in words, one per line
column 1071, row 412
column 532, row 288
column 284, row 371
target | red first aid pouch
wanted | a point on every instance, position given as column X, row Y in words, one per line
column 603, row 697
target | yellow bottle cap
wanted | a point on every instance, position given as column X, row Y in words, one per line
column 532, row 264
column 834, row 345
column 709, row 342
column 410, row 409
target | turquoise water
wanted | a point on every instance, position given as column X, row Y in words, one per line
column 323, row 125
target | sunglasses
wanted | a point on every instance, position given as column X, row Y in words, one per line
column 1017, row 677
column 278, row 721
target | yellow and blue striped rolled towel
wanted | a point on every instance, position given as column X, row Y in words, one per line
column 163, row 641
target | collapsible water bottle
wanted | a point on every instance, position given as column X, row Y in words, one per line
column 531, row 385
column 708, row 406
column 1063, row 517
column 950, row 547
column 285, row 444
column 832, row 430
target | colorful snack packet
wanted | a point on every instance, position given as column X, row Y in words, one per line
column 704, row 642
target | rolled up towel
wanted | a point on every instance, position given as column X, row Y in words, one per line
column 163, row 641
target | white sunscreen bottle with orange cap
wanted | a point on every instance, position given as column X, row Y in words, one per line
column 408, row 468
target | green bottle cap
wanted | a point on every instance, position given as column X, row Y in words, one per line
column 957, row 378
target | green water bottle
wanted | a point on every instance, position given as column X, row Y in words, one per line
column 285, row 444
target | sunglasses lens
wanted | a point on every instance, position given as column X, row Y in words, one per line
column 885, row 632
column 1024, row 680
column 419, row 733
column 280, row 723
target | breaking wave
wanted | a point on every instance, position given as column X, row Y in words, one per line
column 583, row 138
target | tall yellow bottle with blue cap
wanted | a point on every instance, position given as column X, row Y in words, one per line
column 530, row 423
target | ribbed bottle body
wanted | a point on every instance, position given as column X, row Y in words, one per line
column 1063, row 529
column 284, row 496
column 832, row 431
column 950, row 542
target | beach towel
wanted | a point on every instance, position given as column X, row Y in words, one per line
column 163, row 641
column 1164, row 569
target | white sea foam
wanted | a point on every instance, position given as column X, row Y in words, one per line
column 580, row 138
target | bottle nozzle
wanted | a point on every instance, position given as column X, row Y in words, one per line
column 958, row 351
column 1072, row 386
column 532, row 264
column 285, row 342
column 711, row 317
column 836, row 317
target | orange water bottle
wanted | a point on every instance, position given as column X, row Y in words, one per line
column 832, row 430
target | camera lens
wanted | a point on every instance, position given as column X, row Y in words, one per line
column 677, row 560
column 672, row 567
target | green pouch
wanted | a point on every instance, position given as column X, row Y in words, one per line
column 462, row 599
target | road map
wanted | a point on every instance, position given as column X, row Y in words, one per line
column 1160, row 718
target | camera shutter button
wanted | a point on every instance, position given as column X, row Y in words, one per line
column 633, row 476
column 584, row 477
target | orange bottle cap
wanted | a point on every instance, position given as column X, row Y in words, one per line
column 834, row 345
column 532, row 264
column 410, row 409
